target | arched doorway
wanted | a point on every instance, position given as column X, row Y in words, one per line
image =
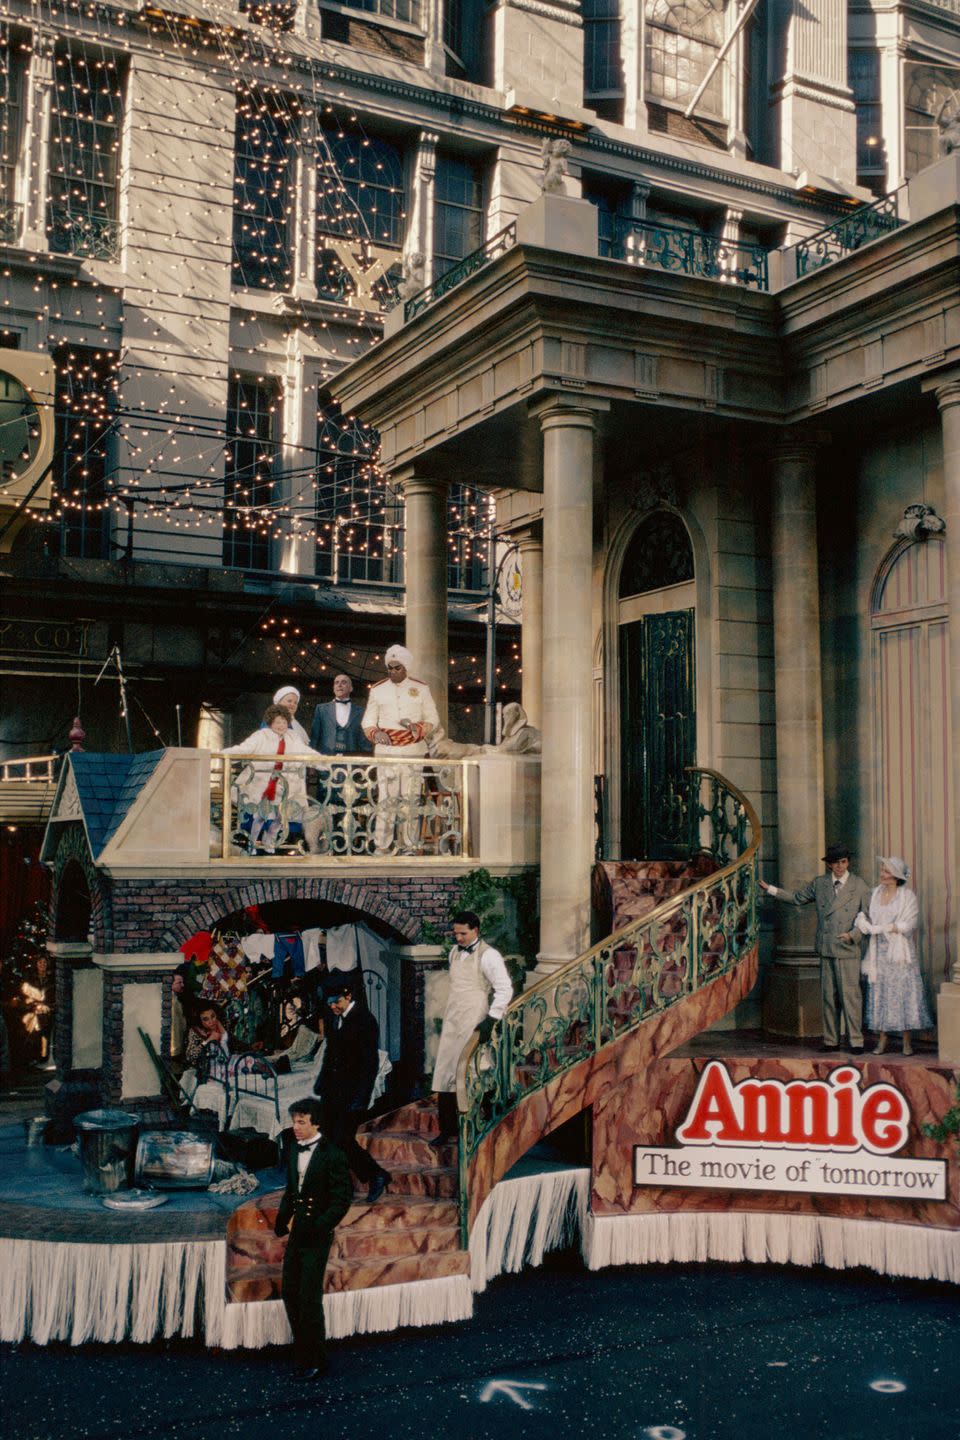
column 655, row 619
column 912, row 758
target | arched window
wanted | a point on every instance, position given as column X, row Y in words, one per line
column 683, row 38
column 932, row 97
column 660, row 554
column 912, row 759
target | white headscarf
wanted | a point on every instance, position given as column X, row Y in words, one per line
column 401, row 654
column 285, row 690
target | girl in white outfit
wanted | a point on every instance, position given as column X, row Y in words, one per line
column 270, row 792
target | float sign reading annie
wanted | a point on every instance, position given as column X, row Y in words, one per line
column 821, row 1137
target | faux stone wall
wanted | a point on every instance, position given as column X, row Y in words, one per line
column 159, row 914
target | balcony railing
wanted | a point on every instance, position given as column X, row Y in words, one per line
column 11, row 222
column 94, row 237
column 653, row 963
column 469, row 265
column 849, row 234
column 27, row 788
column 350, row 809
column 690, row 252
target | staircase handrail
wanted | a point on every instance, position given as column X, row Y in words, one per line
column 591, row 1002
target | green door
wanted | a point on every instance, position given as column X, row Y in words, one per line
column 658, row 737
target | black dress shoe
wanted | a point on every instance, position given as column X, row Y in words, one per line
column 856, row 1049
column 377, row 1188
column 825, row 1046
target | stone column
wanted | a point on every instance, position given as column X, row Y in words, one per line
column 568, row 423
column 947, row 390
column 530, row 545
column 426, row 584
column 811, row 107
column 791, row 1003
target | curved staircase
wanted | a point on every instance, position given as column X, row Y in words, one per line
column 686, row 955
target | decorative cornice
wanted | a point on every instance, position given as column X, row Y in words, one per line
column 566, row 12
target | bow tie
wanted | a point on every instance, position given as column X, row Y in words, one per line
column 308, row 1145
column 469, row 949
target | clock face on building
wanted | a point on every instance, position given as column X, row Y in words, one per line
column 19, row 428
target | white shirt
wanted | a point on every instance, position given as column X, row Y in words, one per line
column 497, row 976
column 304, row 1157
column 343, row 712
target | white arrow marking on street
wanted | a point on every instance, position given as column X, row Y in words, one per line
column 511, row 1388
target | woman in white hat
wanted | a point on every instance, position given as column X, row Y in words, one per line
column 895, row 995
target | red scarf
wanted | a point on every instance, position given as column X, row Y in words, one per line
column 271, row 789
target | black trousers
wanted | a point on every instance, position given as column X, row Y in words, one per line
column 449, row 1115
column 340, row 1125
column 301, row 1289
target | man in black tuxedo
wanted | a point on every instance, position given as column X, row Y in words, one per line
column 319, row 1193
column 346, row 1081
column 336, row 725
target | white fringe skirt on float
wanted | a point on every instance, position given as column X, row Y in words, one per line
column 915, row 1251
column 58, row 1290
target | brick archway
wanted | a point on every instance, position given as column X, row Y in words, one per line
column 366, row 898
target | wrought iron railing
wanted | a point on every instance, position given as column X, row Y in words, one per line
column 469, row 265
column 849, row 234
column 11, row 222
column 690, row 252
column 351, row 809
column 95, row 237
column 683, row 944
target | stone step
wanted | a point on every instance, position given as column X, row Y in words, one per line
column 440, row 1183
column 407, row 1147
column 263, row 1282
column 255, row 1250
column 392, row 1209
column 419, row 1116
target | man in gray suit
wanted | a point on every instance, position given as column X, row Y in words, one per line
column 336, row 725
column 838, row 896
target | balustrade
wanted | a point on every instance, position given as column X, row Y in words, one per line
column 684, row 943
column 347, row 808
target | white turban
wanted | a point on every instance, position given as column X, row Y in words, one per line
column 284, row 691
column 401, row 654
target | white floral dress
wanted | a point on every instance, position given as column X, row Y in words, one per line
column 895, row 994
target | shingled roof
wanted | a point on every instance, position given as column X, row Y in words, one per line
column 107, row 786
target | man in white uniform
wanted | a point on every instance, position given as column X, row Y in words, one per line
column 476, row 970
column 399, row 717
column 288, row 698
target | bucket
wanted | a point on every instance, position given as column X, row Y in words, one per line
column 33, row 1130
column 108, row 1144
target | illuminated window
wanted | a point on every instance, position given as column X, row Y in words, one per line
column 602, row 63
column 85, row 132
column 360, row 197
column 11, row 113
column 864, row 75
column 262, row 191
column 683, row 38
column 250, row 480
column 457, row 212
column 86, row 387
column 359, row 524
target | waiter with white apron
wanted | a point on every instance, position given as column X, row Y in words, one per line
column 476, row 970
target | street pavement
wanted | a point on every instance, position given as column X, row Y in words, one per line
column 682, row 1352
